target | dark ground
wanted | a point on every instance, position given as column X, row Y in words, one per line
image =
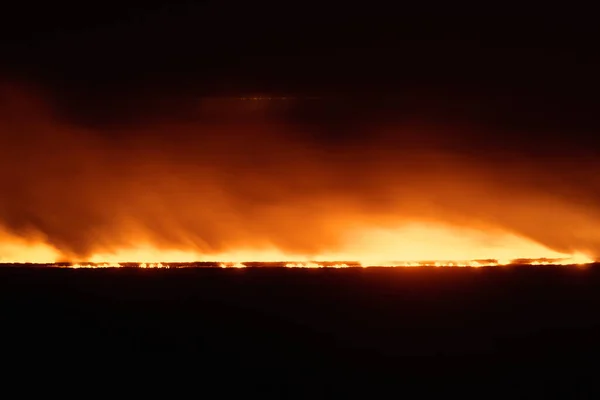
column 516, row 331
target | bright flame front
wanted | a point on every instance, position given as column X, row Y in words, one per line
column 409, row 246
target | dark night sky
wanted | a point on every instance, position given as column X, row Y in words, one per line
column 525, row 68
column 216, row 46
column 527, row 65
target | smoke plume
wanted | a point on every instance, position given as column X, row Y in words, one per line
column 251, row 173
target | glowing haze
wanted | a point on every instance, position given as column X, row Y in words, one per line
column 264, row 188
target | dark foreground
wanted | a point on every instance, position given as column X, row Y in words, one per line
column 490, row 332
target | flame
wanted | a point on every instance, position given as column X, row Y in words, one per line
column 232, row 265
column 240, row 190
column 414, row 245
column 576, row 260
column 102, row 265
column 18, row 250
column 312, row 265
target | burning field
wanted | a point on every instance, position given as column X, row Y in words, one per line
column 574, row 261
column 234, row 184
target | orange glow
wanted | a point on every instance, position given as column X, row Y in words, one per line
column 18, row 250
column 411, row 246
column 265, row 188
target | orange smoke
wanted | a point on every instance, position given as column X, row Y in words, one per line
column 233, row 187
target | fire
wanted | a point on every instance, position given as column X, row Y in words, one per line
column 103, row 265
column 18, row 250
column 237, row 190
column 313, row 265
column 410, row 246
column 232, row 265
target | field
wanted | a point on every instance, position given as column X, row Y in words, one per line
column 321, row 331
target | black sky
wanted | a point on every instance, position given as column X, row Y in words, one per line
column 529, row 67
column 274, row 45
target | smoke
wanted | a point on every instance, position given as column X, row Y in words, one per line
column 249, row 177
